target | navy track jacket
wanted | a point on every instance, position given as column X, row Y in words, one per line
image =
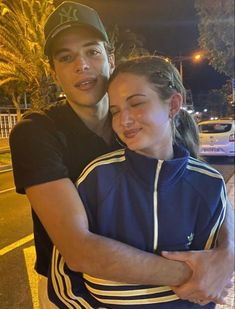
column 153, row 205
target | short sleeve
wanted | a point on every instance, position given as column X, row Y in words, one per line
column 37, row 152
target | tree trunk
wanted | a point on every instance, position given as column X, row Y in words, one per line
column 16, row 103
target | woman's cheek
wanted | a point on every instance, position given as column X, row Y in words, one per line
column 140, row 116
column 115, row 124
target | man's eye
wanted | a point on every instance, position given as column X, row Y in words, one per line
column 65, row 58
column 94, row 52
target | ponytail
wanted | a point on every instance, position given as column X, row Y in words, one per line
column 186, row 132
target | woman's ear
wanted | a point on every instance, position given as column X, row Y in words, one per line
column 175, row 104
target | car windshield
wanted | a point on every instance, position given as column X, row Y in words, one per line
column 215, row 127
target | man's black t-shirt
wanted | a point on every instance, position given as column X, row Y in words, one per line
column 47, row 146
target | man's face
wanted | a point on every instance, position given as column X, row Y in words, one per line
column 81, row 66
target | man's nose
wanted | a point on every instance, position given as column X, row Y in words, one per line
column 81, row 64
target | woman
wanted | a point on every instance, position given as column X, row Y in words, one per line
column 151, row 195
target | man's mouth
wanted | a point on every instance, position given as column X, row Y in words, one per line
column 86, row 83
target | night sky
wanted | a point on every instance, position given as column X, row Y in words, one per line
column 169, row 28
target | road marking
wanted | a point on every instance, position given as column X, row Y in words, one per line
column 29, row 255
column 16, row 244
column 7, row 170
column 7, row 190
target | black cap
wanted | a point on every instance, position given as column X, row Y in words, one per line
column 69, row 14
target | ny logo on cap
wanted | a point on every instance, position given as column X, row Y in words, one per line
column 68, row 14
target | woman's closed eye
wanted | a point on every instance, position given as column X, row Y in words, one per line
column 114, row 111
column 136, row 104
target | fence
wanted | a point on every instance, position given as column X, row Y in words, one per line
column 7, row 122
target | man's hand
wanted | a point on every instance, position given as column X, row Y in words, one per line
column 211, row 278
column 212, row 269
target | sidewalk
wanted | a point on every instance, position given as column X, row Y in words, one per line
column 5, row 158
column 4, row 143
column 230, row 304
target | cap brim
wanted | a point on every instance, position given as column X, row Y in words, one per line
column 60, row 29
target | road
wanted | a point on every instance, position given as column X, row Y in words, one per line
column 6, row 180
column 224, row 165
column 18, row 284
column 15, row 225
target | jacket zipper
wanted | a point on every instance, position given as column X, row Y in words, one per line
column 155, row 205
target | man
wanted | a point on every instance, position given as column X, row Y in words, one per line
column 51, row 148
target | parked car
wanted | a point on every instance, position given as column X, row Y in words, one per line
column 217, row 137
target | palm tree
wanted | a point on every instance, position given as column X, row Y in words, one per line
column 127, row 44
column 23, row 67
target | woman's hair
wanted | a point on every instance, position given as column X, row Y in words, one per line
column 167, row 81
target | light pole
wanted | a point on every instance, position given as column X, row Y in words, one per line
column 196, row 57
column 233, row 89
column 181, row 68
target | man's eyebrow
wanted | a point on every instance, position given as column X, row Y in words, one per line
column 59, row 51
column 63, row 50
column 90, row 43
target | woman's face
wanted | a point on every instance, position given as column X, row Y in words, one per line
column 140, row 118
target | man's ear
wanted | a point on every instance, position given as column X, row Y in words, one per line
column 111, row 63
column 54, row 76
column 175, row 104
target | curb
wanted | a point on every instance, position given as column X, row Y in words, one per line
column 230, row 188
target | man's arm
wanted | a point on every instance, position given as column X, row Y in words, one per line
column 212, row 269
column 61, row 211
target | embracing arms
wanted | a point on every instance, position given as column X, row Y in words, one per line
column 60, row 209
column 38, row 159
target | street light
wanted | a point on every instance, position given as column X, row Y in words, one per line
column 196, row 57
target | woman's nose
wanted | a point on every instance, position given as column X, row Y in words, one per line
column 126, row 118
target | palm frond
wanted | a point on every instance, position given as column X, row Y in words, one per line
column 22, row 62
